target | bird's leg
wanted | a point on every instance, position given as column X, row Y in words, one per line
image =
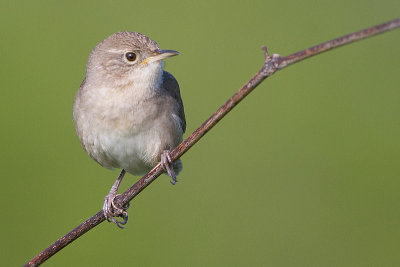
column 166, row 163
column 109, row 209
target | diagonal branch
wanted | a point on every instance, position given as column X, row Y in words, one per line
column 271, row 65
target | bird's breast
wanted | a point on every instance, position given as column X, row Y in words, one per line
column 124, row 132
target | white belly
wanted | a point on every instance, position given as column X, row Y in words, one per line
column 136, row 150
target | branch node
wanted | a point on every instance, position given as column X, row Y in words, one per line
column 275, row 60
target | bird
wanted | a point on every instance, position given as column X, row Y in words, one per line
column 128, row 111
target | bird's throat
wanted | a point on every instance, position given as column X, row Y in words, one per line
column 147, row 79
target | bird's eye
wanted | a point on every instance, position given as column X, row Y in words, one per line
column 130, row 56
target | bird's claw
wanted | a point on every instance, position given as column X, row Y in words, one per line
column 111, row 211
column 166, row 163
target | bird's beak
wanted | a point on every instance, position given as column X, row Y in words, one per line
column 160, row 55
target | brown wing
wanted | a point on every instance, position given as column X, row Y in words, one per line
column 171, row 85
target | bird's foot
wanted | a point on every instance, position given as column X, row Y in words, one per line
column 111, row 211
column 166, row 163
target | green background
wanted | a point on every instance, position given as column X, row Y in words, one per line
column 304, row 172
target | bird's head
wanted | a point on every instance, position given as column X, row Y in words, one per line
column 127, row 57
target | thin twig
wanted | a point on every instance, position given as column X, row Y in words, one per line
column 271, row 65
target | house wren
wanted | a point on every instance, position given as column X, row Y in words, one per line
column 128, row 111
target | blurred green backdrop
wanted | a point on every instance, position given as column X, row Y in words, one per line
column 304, row 172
